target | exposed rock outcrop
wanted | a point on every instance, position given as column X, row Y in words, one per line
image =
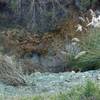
column 43, row 15
column 44, row 50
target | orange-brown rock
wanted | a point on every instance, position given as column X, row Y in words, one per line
column 21, row 42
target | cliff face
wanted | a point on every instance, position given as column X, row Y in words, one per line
column 56, row 19
column 41, row 15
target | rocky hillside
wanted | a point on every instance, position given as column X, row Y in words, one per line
column 42, row 16
column 48, row 46
column 42, row 51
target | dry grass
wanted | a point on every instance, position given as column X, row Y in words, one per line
column 10, row 73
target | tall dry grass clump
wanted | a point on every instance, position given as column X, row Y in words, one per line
column 10, row 73
column 88, row 55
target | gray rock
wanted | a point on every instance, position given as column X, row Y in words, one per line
column 35, row 58
column 53, row 63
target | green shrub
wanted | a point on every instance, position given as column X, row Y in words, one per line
column 90, row 89
column 91, row 44
column 91, row 59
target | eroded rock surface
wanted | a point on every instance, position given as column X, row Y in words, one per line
column 43, row 15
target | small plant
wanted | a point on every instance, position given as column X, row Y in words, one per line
column 90, row 89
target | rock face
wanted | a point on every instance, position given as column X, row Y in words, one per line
column 44, row 52
column 42, row 15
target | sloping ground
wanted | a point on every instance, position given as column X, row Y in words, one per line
column 51, row 83
column 42, row 50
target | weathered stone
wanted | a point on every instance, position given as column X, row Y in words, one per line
column 52, row 64
column 41, row 15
